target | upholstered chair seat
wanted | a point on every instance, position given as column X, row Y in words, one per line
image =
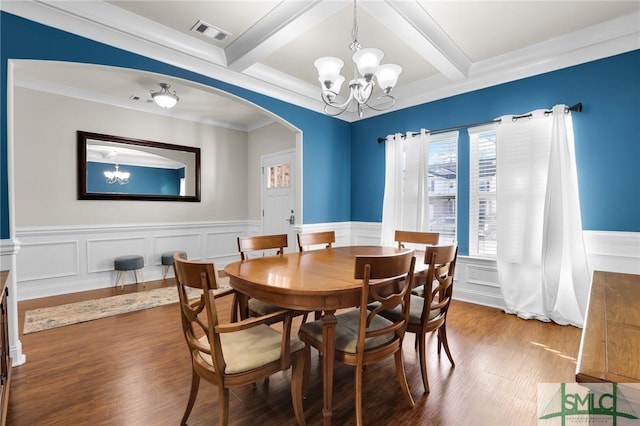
column 249, row 349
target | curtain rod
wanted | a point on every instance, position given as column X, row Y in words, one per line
column 575, row 108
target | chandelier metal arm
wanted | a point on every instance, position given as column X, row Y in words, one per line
column 340, row 107
column 386, row 95
column 358, row 91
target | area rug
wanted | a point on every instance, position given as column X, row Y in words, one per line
column 73, row 313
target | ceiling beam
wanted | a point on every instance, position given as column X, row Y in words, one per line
column 285, row 22
column 416, row 27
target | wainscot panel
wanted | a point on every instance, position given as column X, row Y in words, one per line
column 61, row 260
column 189, row 243
column 101, row 252
column 54, row 259
column 69, row 259
column 476, row 279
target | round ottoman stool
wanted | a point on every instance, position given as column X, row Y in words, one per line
column 132, row 262
column 167, row 261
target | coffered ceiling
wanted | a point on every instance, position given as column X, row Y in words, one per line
column 444, row 47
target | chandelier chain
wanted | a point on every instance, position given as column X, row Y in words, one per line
column 355, row 45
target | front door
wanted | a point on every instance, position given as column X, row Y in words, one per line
column 278, row 215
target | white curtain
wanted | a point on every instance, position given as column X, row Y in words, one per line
column 542, row 264
column 405, row 193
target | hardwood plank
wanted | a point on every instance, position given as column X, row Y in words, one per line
column 133, row 369
column 611, row 336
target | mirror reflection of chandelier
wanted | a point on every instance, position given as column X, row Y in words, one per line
column 117, row 176
column 367, row 61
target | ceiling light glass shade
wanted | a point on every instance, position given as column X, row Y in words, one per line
column 368, row 60
column 329, row 68
column 387, row 76
column 330, row 89
column 164, row 98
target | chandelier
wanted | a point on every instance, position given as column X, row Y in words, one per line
column 370, row 71
column 117, row 176
column 164, row 98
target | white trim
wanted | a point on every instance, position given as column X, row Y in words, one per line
column 8, row 251
column 111, row 25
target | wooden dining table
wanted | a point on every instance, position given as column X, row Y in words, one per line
column 319, row 280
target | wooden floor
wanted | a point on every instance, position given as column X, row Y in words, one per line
column 134, row 369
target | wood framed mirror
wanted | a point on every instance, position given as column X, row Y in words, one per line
column 121, row 168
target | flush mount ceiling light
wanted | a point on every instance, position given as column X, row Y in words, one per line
column 367, row 62
column 164, row 98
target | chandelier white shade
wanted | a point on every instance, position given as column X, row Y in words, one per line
column 117, row 176
column 369, row 71
column 164, row 98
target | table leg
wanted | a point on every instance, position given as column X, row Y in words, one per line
column 328, row 340
column 239, row 307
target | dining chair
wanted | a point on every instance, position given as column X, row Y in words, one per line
column 415, row 237
column 254, row 307
column 231, row 354
column 326, row 238
column 429, row 313
column 416, row 240
column 363, row 337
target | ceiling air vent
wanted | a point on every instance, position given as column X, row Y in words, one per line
column 210, row 31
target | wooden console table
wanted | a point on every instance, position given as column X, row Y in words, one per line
column 5, row 359
column 611, row 335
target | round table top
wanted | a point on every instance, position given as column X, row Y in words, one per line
column 308, row 280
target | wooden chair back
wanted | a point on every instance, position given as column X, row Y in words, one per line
column 387, row 280
column 414, row 237
column 199, row 315
column 442, row 265
column 315, row 238
column 262, row 242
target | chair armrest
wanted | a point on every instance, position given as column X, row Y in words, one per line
column 223, row 291
column 249, row 322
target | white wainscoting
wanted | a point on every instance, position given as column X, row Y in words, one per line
column 59, row 260
column 476, row 280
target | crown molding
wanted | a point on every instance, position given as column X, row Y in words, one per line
column 105, row 23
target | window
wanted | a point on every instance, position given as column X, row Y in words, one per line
column 421, row 185
column 482, row 191
column 279, row 176
column 442, row 182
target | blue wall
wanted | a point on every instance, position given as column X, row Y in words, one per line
column 607, row 135
column 143, row 180
column 344, row 164
column 326, row 149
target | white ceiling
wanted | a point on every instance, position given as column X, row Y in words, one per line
column 444, row 47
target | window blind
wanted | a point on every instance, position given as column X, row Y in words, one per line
column 482, row 191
